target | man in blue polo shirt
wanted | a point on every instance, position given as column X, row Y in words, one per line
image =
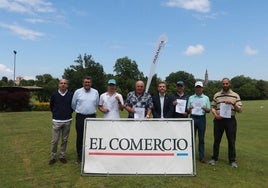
column 198, row 105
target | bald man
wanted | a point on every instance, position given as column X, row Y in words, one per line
column 139, row 103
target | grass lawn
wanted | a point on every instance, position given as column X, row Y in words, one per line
column 25, row 150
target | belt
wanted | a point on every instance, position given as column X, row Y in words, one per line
column 197, row 116
column 87, row 115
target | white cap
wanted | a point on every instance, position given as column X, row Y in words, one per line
column 198, row 83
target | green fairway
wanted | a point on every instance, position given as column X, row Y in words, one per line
column 25, row 151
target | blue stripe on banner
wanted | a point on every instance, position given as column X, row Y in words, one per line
column 182, row 154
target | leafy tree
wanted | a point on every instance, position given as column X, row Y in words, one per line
column 4, row 79
column 238, row 81
column 127, row 73
column 211, row 88
column 248, row 91
column 248, row 88
column 86, row 66
column 27, row 82
column 10, row 83
column 262, row 87
column 49, row 84
column 187, row 78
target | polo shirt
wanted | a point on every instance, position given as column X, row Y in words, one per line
column 111, row 103
column 222, row 96
column 203, row 99
column 85, row 102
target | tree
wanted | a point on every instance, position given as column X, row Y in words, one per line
column 127, row 73
column 4, row 79
column 211, row 88
column 27, row 82
column 85, row 66
column 49, row 84
column 154, row 84
column 262, row 87
column 248, row 91
column 187, row 78
column 239, row 81
column 246, row 87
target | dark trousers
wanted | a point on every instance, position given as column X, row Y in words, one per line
column 79, row 126
column 229, row 125
column 200, row 128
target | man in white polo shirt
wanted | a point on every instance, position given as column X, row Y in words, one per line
column 198, row 106
column 111, row 102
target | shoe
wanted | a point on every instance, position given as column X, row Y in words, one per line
column 203, row 161
column 52, row 161
column 234, row 164
column 212, row 162
column 63, row 160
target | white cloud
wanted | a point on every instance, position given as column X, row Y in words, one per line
column 28, row 77
column 249, row 51
column 23, row 33
column 194, row 50
column 5, row 71
column 202, row 6
column 27, row 6
column 35, row 20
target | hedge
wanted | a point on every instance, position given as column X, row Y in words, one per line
column 41, row 106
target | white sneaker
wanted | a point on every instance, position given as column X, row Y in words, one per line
column 234, row 164
column 212, row 162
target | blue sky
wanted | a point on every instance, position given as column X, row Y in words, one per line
column 226, row 37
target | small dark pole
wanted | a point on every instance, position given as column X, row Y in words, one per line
column 15, row 52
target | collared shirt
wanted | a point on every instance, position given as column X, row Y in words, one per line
column 175, row 96
column 143, row 101
column 85, row 102
column 199, row 101
column 111, row 103
column 222, row 96
column 162, row 98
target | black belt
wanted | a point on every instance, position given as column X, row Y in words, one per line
column 197, row 116
column 87, row 115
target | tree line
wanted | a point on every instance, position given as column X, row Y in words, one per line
column 126, row 73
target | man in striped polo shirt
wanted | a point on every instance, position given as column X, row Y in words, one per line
column 224, row 105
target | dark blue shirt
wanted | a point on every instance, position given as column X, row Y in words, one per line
column 175, row 96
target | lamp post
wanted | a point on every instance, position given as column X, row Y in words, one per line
column 15, row 52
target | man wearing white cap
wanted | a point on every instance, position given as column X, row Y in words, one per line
column 198, row 105
column 111, row 102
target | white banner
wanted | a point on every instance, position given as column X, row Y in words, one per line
column 159, row 46
column 132, row 147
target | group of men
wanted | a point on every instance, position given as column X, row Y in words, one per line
column 139, row 104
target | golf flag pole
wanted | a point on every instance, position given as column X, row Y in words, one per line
column 160, row 45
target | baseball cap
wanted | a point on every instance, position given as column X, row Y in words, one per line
column 198, row 83
column 180, row 83
column 112, row 81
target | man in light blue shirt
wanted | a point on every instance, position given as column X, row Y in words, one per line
column 198, row 105
column 85, row 102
